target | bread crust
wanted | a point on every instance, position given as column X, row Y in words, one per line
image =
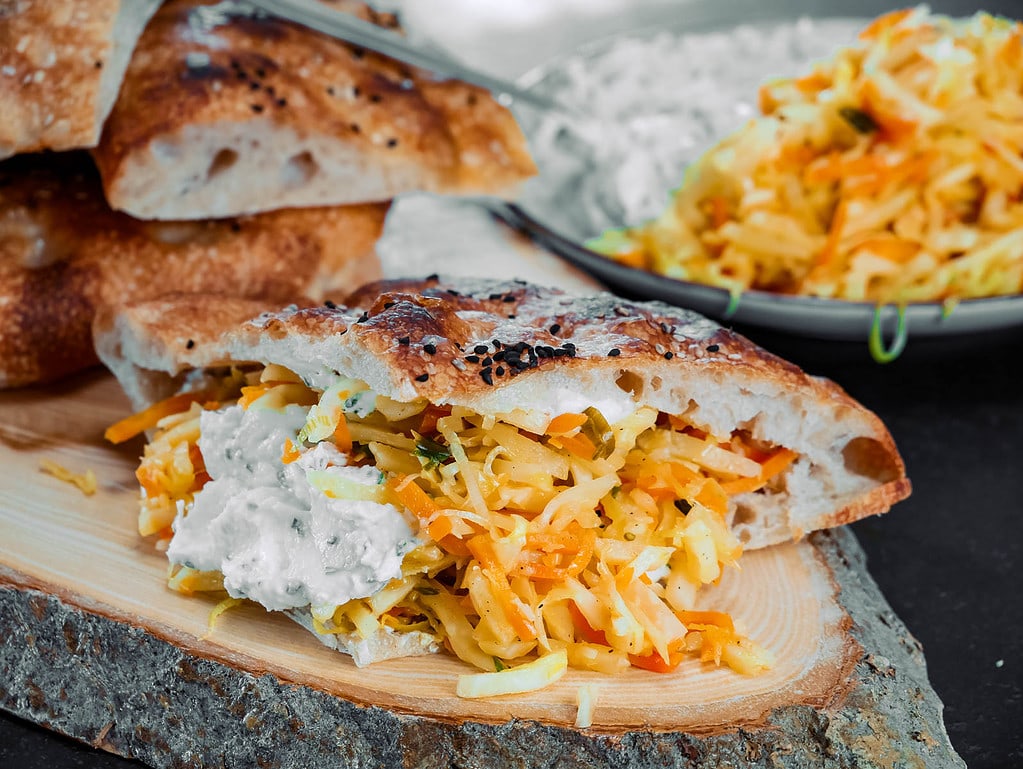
column 61, row 64
column 526, row 354
column 64, row 252
column 225, row 114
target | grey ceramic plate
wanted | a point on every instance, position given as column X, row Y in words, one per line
column 807, row 316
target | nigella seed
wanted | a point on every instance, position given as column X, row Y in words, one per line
column 473, row 358
column 389, row 305
column 189, row 344
column 330, row 305
column 555, row 328
column 404, row 341
column 488, row 361
column 497, row 344
column 363, row 318
column 487, row 376
column 422, row 377
column 392, row 143
column 430, row 349
column 494, row 297
column 713, row 348
column 257, row 108
column 499, row 371
column 614, row 352
column 433, row 276
column 669, row 355
column 480, row 349
column 508, row 298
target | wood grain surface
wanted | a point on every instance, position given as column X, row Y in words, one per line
column 85, row 551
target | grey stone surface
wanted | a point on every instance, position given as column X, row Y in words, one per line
column 121, row 689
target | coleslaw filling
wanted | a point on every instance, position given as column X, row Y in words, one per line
column 589, row 541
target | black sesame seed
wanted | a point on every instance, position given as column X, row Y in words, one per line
column 473, row 358
column 375, row 98
column 430, row 349
column 488, row 361
column 356, row 91
column 713, row 348
column 432, row 276
column 511, row 317
column 502, row 354
column 358, row 53
column 452, row 292
column 330, row 90
column 403, row 341
column 235, row 227
column 98, row 64
column 508, row 298
column 330, row 305
column 422, row 377
column 389, row 305
column 555, row 328
column 260, row 72
column 669, row 355
column 189, row 344
column 282, row 102
column 253, row 86
column 614, row 352
column 487, row 376
column 499, row 371
column 392, row 143
column 494, row 297
column 257, row 108
column 480, row 349
column 354, row 128
column 497, row 344
column 240, row 74
column 363, row 318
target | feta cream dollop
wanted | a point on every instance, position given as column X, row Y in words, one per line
column 276, row 538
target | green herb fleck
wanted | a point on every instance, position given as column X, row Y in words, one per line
column 432, row 452
column 876, row 344
column 858, row 119
column 498, row 665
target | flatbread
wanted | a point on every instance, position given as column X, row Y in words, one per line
column 225, row 112
column 555, row 354
column 63, row 251
column 61, row 65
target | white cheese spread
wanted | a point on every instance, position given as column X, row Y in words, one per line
column 276, row 538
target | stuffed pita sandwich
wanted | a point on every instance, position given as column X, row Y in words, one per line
column 64, row 252
column 528, row 479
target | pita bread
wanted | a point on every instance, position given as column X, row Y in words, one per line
column 224, row 113
column 63, row 252
column 61, row 65
column 557, row 354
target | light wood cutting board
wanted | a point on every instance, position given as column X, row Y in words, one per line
column 84, row 553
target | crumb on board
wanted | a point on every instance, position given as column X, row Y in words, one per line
column 85, row 482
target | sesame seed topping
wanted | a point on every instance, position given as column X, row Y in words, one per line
column 430, row 349
column 555, row 328
column 669, row 355
column 363, row 318
column 713, row 348
column 403, row 341
column 488, row 361
column 432, row 276
column 190, row 344
column 257, row 108
column 487, row 376
column 508, row 298
column 499, row 371
column 480, row 349
column 458, row 363
column 473, row 358
column 422, row 377
column 614, row 352
column 330, row 305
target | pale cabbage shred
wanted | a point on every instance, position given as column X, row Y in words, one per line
column 889, row 173
column 648, row 557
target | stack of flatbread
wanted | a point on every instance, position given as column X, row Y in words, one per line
column 148, row 148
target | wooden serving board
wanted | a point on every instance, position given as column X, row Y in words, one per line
column 87, row 598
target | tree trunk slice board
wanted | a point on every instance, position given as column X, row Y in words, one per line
column 95, row 646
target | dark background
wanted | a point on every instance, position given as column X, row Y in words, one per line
column 947, row 559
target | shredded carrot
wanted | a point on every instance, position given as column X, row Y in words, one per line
column 565, row 423
column 482, row 549
column 578, row 445
column 291, row 452
column 774, row 464
column 342, row 436
column 884, row 22
column 719, row 213
column 657, row 664
column 575, row 543
column 439, row 528
column 428, row 425
column 417, row 501
column 701, row 619
column 713, row 497
column 137, row 423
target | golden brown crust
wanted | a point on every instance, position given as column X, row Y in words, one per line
column 195, row 71
column 59, row 60
column 526, row 354
column 63, row 253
